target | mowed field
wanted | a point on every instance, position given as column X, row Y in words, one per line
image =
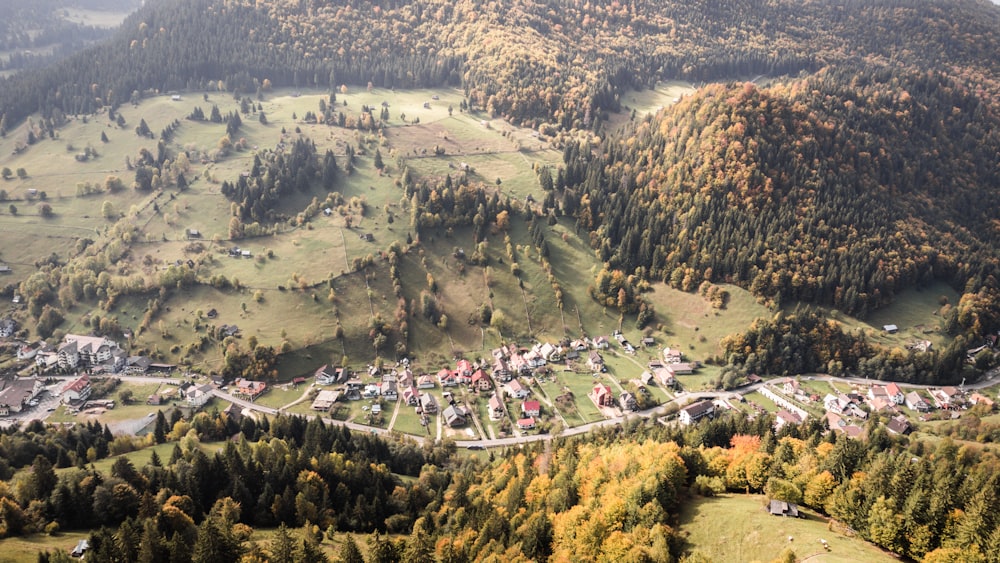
column 734, row 527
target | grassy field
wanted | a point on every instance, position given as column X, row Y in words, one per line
column 26, row 549
column 691, row 325
column 737, row 528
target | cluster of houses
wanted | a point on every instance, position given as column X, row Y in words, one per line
column 846, row 412
column 95, row 354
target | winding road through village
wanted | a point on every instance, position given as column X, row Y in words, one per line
column 990, row 378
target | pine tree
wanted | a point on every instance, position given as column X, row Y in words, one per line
column 349, row 552
column 215, row 544
column 282, row 549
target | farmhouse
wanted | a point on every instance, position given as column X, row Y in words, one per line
column 28, row 351
column 481, row 381
column 324, row 400
column 594, row 361
column 7, row 327
column 327, row 375
column 628, row 401
column 501, row 370
column 411, row 396
column 890, row 329
column 895, row 393
column 447, row 378
column 899, row 425
column 783, row 418
column 425, row 381
column 428, row 405
column 601, row 342
column 388, row 388
column 527, row 423
column 198, row 395
column 946, row 398
column 695, row 412
column 672, row 355
column 463, row 367
column 371, row 391
column 782, row 508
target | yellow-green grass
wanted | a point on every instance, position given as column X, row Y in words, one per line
column 738, row 528
column 762, row 401
column 408, row 422
column 692, row 325
column 25, row 549
column 279, row 312
column 701, row 380
column 458, row 295
column 134, row 411
column 575, row 265
column 279, row 395
column 139, row 458
column 649, row 101
column 581, row 385
column 918, row 314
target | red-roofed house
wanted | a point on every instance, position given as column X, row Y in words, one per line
column 895, row 393
column 526, row 423
column 247, row 389
column 603, row 396
column 531, row 408
column 481, row 381
column 464, row 367
column 447, row 378
column 76, row 390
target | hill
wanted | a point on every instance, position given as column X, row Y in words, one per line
column 559, row 62
column 842, row 187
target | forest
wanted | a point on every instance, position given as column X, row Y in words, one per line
column 614, row 495
column 562, row 62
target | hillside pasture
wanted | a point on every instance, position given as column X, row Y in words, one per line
column 734, row 527
column 692, row 325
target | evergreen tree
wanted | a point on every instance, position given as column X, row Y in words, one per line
column 349, row 552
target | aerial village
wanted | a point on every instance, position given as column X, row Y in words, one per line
column 512, row 392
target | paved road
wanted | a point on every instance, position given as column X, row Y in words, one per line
column 991, row 378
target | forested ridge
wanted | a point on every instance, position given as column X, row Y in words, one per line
column 841, row 188
column 616, row 495
column 560, row 61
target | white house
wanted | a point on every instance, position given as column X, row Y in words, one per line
column 77, row 390
column 198, row 395
column 695, row 412
column 516, row 390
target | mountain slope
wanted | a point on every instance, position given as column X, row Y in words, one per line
column 842, row 188
column 530, row 60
